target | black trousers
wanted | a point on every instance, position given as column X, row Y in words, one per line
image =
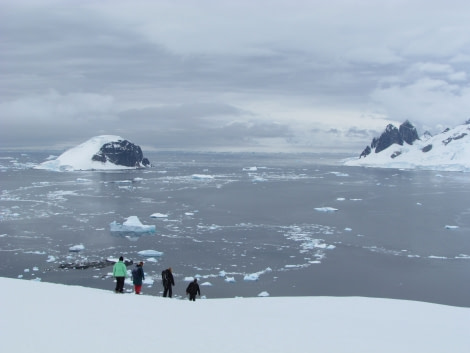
column 192, row 297
column 167, row 290
column 120, row 284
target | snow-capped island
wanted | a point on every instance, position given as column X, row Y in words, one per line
column 105, row 152
column 402, row 148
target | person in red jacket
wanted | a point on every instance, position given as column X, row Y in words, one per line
column 138, row 276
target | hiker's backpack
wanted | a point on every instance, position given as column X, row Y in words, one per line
column 164, row 277
column 135, row 272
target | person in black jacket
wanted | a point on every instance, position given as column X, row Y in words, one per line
column 193, row 289
column 168, row 282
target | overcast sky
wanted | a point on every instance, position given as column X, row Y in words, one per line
column 227, row 75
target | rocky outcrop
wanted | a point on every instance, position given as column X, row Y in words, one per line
column 121, row 152
column 392, row 135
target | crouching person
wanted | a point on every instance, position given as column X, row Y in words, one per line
column 193, row 290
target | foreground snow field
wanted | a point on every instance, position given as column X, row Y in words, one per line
column 45, row 317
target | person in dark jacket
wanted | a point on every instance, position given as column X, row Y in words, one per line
column 138, row 276
column 168, row 282
column 193, row 289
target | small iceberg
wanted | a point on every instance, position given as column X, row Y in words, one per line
column 132, row 224
column 150, row 253
column 326, row 209
column 77, row 248
column 158, row 215
column 451, row 227
column 202, row 177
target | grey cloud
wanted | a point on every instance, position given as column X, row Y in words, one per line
column 134, row 68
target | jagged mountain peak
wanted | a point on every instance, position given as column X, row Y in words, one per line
column 448, row 150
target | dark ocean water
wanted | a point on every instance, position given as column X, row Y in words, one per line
column 244, row 224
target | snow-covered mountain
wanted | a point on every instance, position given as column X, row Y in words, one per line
column 105, row 152
column 446, row 151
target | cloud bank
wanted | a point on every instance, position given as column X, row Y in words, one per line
column 211, row 75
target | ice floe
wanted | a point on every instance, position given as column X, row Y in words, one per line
column 77, row 248
column 150, row 253
column 326, row 209
column 158, row 215
column 451, row 227
column 255, row 276
column 132, row 224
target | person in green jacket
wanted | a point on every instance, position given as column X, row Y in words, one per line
column 120, row 273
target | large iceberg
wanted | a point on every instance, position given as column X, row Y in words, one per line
column 132, row 224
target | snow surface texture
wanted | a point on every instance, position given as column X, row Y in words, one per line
column 79, row 157
column 450, row 151
column 46, row 317
column 132, row 224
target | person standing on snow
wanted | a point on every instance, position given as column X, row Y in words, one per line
column 120, row 273
column 193, row 289
column 168, row 282
column 138, row 276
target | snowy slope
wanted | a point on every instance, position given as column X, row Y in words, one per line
column 450, row 151
column 45, row 317
column 79, row 157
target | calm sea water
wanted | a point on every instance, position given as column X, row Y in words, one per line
column 245, row 225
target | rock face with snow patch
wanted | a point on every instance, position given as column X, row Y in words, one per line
column 405, row 133
column 121, row 152
column 401, row 148
column 104, row 152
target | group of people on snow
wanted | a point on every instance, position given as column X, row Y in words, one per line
column 138, row 276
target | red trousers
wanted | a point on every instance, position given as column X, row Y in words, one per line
column 137, row 289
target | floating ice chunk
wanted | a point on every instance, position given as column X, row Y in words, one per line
column 348, row 229
column 340, row 199
column 255, row 276
column 259, row 179
column 77, row 248
column 250, row 169
column 263, row 294
column 326, row 209
column 50, row 258
column 251, row 277
column 188, row 279
column 222, row 274
column 451, row 227
column 230, row 279
column 132, row 224
column 158, row 215
column 202, row 177
column 35, row 268
column 151, row 259
column 150, row 253
column 206, row 284
column 340, row 174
